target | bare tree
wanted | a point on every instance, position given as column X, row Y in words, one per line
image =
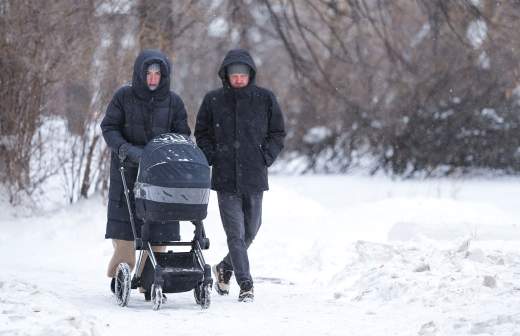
column 34, row 35
column 380, row 77
column 423, row 86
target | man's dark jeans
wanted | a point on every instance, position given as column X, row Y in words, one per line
column 241, row 215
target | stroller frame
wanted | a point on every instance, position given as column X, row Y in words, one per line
column 124, row 284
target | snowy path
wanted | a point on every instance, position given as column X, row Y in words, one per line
column 89, row 309
column 335, row 256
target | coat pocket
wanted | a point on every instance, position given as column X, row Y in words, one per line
column 265, row 156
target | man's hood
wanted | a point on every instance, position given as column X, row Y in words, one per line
column 145, row 58
column 237, row 56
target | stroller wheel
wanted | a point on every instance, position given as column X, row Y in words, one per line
column 202, row 295
column 196, row 294
column 157, row 296
column 122, row 284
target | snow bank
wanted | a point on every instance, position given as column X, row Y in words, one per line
column 334, row 255
column 456, row 291
column 26, row 309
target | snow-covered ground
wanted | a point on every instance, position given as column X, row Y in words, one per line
column 336, row 255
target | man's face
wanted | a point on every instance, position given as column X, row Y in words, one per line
column 153, row 77
column 238, row 80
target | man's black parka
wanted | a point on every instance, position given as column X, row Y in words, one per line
column 240, row 130
column 134, row 116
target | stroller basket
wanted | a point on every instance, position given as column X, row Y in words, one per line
column 180, row 273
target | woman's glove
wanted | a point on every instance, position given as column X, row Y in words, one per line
column 130, row 153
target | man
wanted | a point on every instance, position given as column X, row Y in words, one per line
column 240, row 129
column 136, row 114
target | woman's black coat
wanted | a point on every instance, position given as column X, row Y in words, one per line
column 241, row 131
column 134, row 116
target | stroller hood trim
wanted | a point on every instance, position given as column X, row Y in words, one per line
column 171, row 195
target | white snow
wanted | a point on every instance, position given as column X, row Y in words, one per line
column 115, row 7
column 316, row 134
column 476, row 3
column 477, row 33
column 492, row 115
column 419, row 37
column 336, row 255
column 218, row 27
column 484, row 61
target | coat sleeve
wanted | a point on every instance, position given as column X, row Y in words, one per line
column 180, row 118
column 273, row 144
column 113, row 123
column 204, row 130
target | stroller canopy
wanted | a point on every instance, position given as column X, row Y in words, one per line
column 173, row 181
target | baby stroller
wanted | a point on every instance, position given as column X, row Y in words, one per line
column 173, row 183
